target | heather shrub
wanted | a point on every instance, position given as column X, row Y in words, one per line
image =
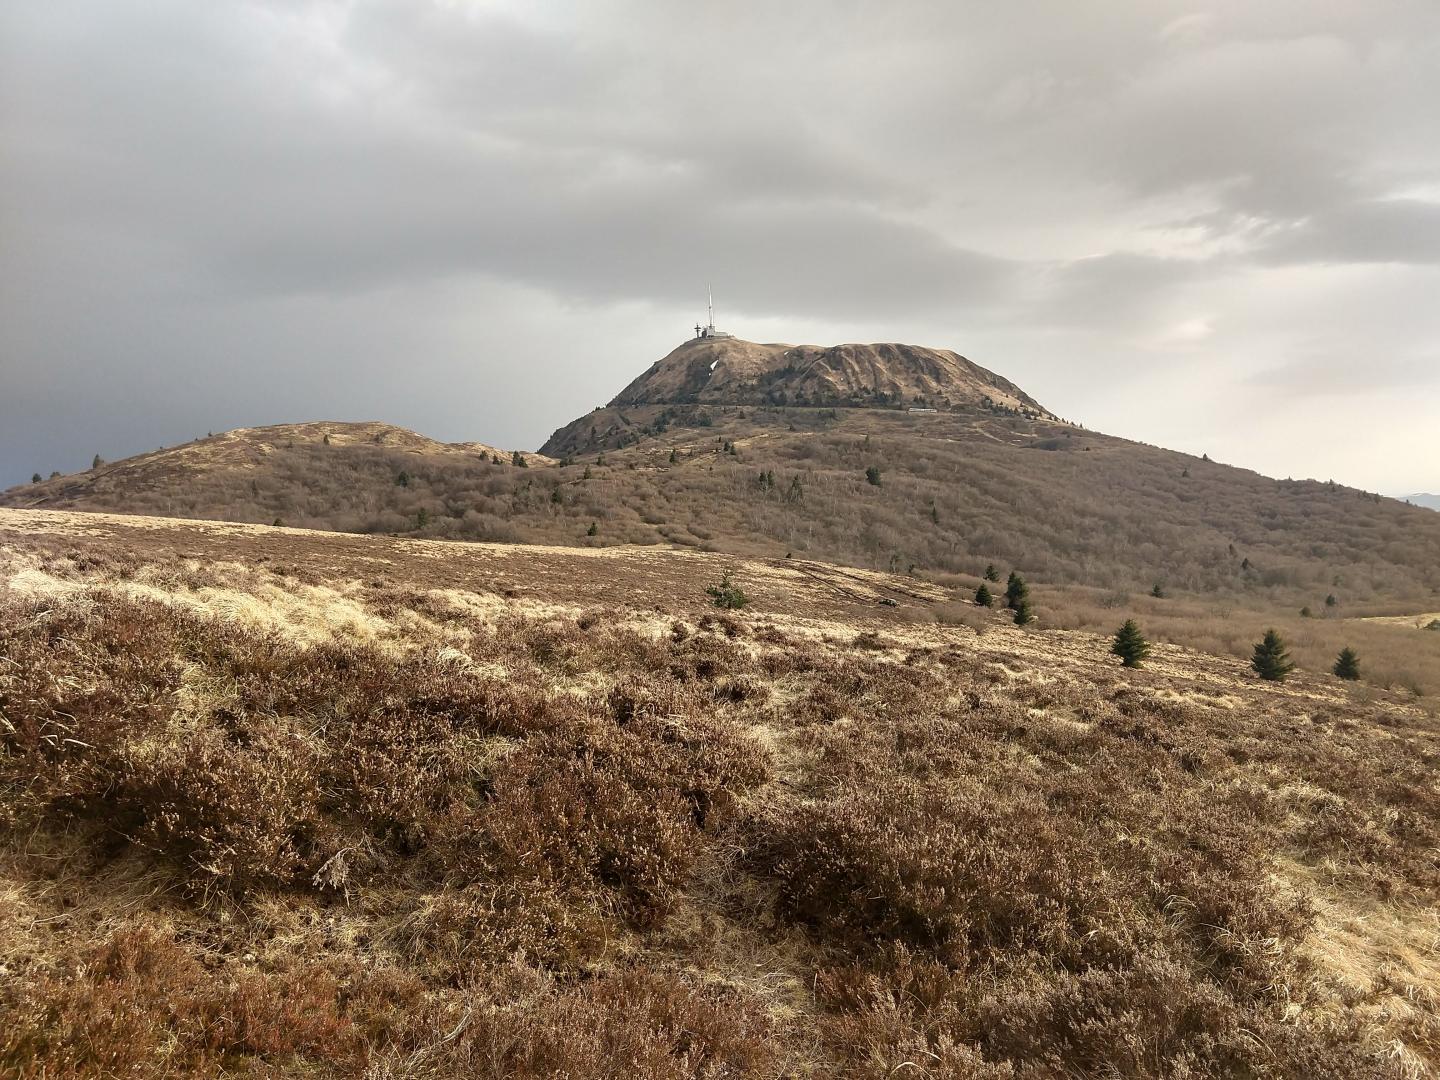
column 144, row 1005
column 240, row 817
column 486, row 844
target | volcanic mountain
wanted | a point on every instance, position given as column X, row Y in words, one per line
column 730, row 371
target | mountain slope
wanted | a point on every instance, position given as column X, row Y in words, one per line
column 966, row 485
column 1425, row 499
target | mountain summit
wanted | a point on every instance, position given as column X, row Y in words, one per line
column 713, row 371
column 730, row 371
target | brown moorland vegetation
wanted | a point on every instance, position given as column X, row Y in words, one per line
column 960, row 490
column 294, row 804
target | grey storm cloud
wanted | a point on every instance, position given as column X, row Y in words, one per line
column 478, row 218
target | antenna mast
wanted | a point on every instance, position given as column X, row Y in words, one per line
column 710, row 306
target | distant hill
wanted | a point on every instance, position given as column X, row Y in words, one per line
column 702, row 451
column 1430, row 502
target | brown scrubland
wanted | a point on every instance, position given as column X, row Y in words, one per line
column 1090, row 517
column 280, row 802
column 959, row 490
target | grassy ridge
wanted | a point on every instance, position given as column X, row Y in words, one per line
column 957, row 491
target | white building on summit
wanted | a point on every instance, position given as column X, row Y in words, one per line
column 708, row 330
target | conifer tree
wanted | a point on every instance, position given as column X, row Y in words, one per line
column 1347, row 664
column 1130, row 645
column 1271, row 661
column 991, row 574
column 1023, row 612
column 983, row 597
column 1016, row 591
column 872, row 474
column 674, row 457
column 97, row 462
column 35, row 479
column 593, row 530
column 934, row 514
column 517, row 458
column 1158, row 591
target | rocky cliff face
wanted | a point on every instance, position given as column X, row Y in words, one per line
column 729, row 371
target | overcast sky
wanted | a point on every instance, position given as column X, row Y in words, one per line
column 1214, row 226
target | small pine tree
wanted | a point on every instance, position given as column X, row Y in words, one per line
column 588, row 474
column 1157, row 591
column 1347, row 664
column 796, row 494
column 1330, row 600
column 934, row 514
column 872, row 474
column 1271, row 661
column 403, row 480
column 983, row 597
column 1023, row 612
column 1130, row 645
column 326, row 440
column 991, row 574
column 35, row 479
column 726, row 594
column 1016, row 591
column 593, row 530
column 97, row 462
column 674, row 457
column 518, row 459
column 422, row 518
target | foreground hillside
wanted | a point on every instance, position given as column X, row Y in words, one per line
column 288, row 803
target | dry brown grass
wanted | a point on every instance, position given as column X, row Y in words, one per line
column 558, row 835
column 1064, row 505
